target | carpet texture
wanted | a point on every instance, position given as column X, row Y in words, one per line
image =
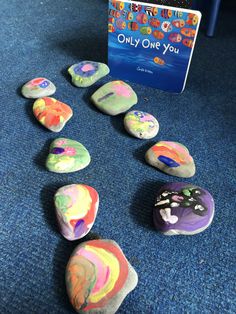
column 176, row 274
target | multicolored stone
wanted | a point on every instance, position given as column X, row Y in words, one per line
column 38, row 87
column 99, row 277
column 172, row 158
column 86, row 73
column 114, row 98
column 141, row 124
column 52, row 113
column 66, row 156
column 76, row 210
column 183, row 208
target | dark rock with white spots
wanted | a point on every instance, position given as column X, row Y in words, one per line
column 183, row 208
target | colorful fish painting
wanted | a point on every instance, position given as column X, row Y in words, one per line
column 178, row 23
column 175, row 37
column 188, row 32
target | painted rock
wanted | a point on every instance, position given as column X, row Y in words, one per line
column 183, row 208
column 86, row 73
column 52, row 113
column 99, row 277
column 141, row 124
column 114, row 98
column 38, row 87
column 66, row 156
column 172, row 158
column 76, row 210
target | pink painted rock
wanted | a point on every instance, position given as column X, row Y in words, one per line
column 114, row 98
column 76, row 210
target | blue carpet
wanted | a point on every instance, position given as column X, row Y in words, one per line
column 176, row 274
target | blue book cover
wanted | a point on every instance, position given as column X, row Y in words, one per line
column 151, row 44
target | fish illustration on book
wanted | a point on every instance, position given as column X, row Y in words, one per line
column 152, row 44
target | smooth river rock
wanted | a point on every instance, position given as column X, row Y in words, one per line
column 183, row 208
column 52, row 113
column 99, row 277
column 172, row 158
column 86, row 73
column 114, row 98
column 66, row 155
column 37, row 88
column 141, row 124
column 76, row 210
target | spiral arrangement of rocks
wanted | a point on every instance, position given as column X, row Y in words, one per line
column 98, row 275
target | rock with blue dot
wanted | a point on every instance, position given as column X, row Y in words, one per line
column 183, row 208
column 114, row 98
column 141, row 124
column 37, row 88
column 86, row 73
column 172, row 158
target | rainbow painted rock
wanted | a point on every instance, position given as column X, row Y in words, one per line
column 183, row 208
column 38, row 87
column 141, row 124
column 86, row 73
column 76, row 210
column 99, row 277
column 114, row 98
column 172, row 158
column 66, row 156
column 52, row 113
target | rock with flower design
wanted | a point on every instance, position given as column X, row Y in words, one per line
column 99, row 277
column 183, row 208
column 141, row 124
column 172, row 158
column 52, row 113
column 114, row 98
column 86, row 73
column 76, row 210
column 66, row 156
column 38, row 87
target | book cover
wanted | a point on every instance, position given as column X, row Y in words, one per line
column 151, row 44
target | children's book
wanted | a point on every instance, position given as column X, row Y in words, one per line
column 151, row 44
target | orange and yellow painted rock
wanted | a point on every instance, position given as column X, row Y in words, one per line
column 172, row 158
column 52, row 113
column 99, row 277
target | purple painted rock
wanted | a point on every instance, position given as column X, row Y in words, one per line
column 183, row 208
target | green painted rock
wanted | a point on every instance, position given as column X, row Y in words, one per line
column 86, row 73
column 37, row 88
column 114, row 98
column 66, row 155
column 141, row 124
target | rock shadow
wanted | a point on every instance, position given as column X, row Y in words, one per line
column 143, row 202
column 139, row 154
column 40, row 159
column 118, row 124
column 85, row 46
